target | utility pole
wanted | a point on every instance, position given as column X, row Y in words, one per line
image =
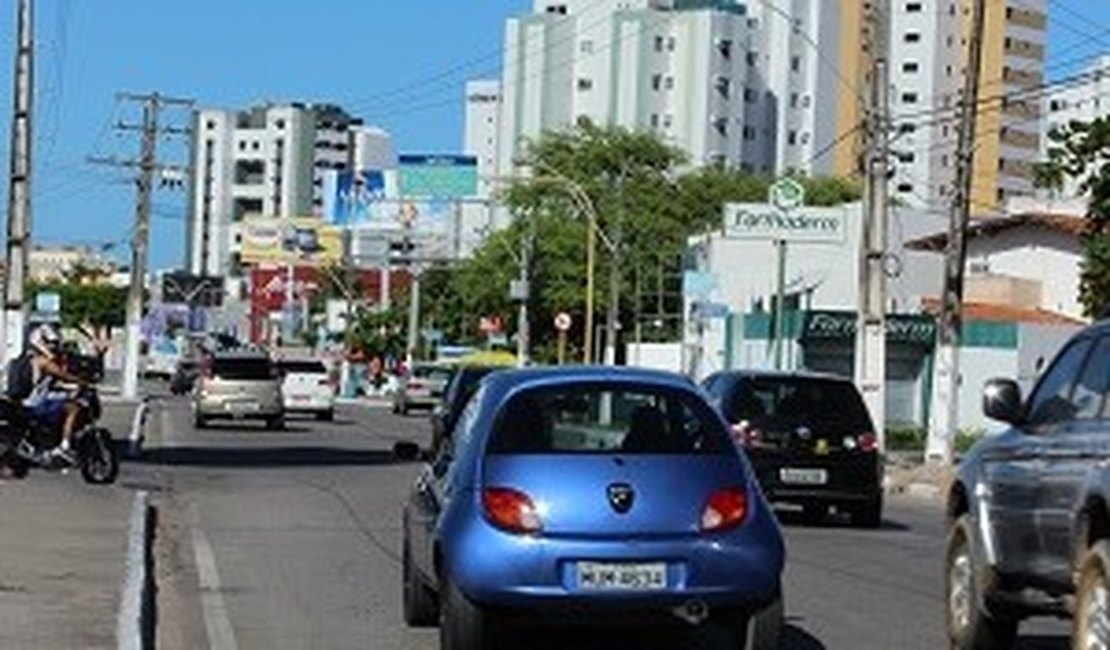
column 147, row 166
column 944, row 414
column 870, row 365
column 19, row 188
column 523, row 293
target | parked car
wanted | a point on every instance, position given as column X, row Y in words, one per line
column 307, row 387
column 593, row 495
column 238, row 386
column 421, row 387
column 455, row 396
column 809, row 438
column 1028, row 520
column 161, row 359
column 184, row 376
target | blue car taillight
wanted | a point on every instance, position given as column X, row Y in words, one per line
column 511, row 510
column 725, row 509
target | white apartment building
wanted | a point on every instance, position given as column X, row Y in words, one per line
column 483, row 114
column 1082, row 102
column 268, row 160
column 672, row 66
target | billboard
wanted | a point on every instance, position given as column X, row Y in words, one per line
column 802, row 225
column 353, row 197
column 437, row 177
column 181, row 287
column 304, row 241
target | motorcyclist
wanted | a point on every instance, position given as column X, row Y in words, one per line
column 50, row 402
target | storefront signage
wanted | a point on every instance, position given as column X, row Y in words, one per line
column 916, row 330
column 803, row 224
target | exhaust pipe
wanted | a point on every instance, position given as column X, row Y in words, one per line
column 694, row 612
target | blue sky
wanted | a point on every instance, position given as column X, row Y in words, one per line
column 398, row 64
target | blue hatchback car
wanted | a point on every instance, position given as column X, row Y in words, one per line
column 590, row 495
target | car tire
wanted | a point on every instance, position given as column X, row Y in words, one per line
column 968, row 621
column 1091, row 622
column 762, row 629
column 462, row 624
column 276, row 423
column 868, row 514
column 418, row 602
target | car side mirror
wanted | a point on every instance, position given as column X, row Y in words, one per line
column 1002, row 401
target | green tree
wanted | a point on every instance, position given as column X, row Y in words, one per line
column 1081, row 150
column 93, row 307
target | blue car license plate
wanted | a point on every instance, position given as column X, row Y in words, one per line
column 609, row 576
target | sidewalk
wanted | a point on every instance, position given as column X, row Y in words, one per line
column 62, row 559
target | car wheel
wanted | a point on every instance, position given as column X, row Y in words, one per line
column 462, row 624
column 761, row 630
column 276, row 423
column 1091, row 623
column 970, row 625
column 418, row 602
column 868, row 514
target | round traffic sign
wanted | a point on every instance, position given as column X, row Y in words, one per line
column 563, row 321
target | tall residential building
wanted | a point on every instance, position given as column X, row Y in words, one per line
column 1084, row 101
column 268, row 161
column 929, row 50
column 483, row 115
column 675, row 67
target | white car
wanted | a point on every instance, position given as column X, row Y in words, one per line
column 307, row 387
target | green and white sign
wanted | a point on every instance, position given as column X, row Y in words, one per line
column 800, row 225
column 787, row 194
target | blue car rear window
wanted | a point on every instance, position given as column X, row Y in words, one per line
column 607, row 419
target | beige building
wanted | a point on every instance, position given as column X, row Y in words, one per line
column 67, row 263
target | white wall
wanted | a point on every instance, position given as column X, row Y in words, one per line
column 977, row 366
column 1049, row 257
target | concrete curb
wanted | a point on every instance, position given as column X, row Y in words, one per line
column 135, row 624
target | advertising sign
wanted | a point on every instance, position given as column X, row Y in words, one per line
column 304, row 241
column 442, row 177
column 181, row 287
column 801, row 225
column 353, row 197
column 900, row 328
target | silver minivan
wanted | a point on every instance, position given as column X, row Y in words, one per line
column 238, row 386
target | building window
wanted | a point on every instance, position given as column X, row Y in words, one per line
column 795, row 64
column 910, row 66
column 659, row 43
column 752, row 58
column 668, row 120
column 670, row 43
column 905, row 188
column 792, row 137
column 793, row 100
column 749, row 133
column 211, row 124
column 912, row 37
column 906, row 157
column 751, row 95
column 656, row 81
column 280, row 124
column 907, row 127
column 586, row 47
column 242, row 145
column 725, row 46
column 668, row 83
column 655, row 120
column 909, row 98
column 585, row 84
column 913, row 7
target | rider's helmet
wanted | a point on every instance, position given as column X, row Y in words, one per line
column 45, row 340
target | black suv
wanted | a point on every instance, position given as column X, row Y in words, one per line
column 810, row 440
column 1028, row 517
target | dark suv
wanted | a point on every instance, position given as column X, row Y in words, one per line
column 1028, row 517
column 809, row 437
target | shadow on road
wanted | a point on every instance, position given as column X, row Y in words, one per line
column 708, row 637
column 260, row 457
column 795, row 519
column 1043, row 643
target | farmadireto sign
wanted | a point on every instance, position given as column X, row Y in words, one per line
column 803, row 224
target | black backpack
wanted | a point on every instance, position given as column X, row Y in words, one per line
column 21, row 377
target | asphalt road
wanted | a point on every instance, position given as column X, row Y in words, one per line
column 290, row 540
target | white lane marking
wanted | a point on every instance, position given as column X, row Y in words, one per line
column 221, row 636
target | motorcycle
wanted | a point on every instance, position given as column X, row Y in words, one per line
column 25, row 441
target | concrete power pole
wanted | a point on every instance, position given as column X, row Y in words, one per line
column 944, row 412
column 147, row 165
column 19, row 188
column 870, row 366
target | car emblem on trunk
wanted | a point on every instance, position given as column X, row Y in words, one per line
column 621, row 496
column 804, row 433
